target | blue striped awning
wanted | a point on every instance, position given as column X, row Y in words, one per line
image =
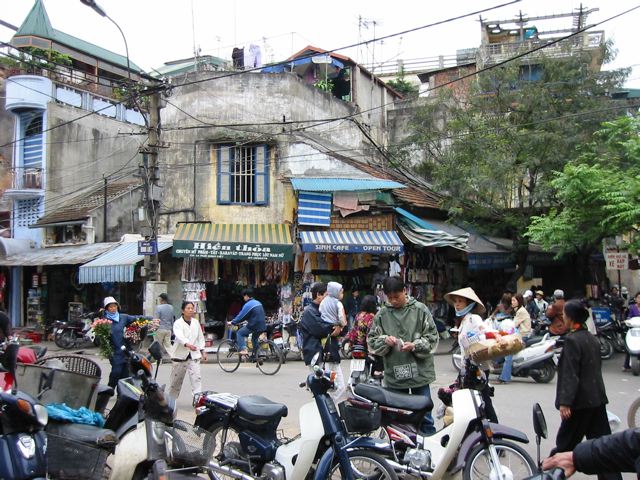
column 314, row 209
column 116, row 265
column 351, row 241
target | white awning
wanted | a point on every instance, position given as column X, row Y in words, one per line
column 67, row 255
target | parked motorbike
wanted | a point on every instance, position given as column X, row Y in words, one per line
column 287, row 336
column 632, row 343
column 537, row 360
column 469, row 443
column 248, row 447
column 68, row 335
column 540, row 427
column 23, row 443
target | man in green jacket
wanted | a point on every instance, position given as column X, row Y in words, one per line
column 404, row 334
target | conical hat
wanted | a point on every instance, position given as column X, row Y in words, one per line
column 469, row 294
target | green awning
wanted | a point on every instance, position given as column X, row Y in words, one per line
column 268, row 242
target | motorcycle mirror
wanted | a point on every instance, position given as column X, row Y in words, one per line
column 539, row 422
column 155, row 349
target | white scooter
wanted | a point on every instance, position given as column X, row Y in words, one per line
column 632, row 342
column 470, row 443
column 537, row 360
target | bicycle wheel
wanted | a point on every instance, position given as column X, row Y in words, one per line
column 227, row 356
column 268, row 357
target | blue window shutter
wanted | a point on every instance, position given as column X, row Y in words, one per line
column 225, row 156
column 262, row 175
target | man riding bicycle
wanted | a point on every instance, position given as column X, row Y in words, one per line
column 253, row 313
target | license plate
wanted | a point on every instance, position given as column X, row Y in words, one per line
column 278, row 341
column 357, row 365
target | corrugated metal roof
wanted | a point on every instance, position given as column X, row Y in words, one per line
column 116, row 265
column 81, row 206
column 71, row 255
column 321, row 184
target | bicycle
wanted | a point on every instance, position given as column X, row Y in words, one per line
column 265, row 354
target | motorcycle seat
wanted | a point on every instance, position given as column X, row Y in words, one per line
column 392, row 399
column 531, row 340
column 257, row 407
column 89, row 434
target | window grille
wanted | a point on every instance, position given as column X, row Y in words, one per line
column 27, row 212
column 243, row 174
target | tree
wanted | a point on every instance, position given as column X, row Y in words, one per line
column 599, row 194
column 403, row 86
column 494, row 149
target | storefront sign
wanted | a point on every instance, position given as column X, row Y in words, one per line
column 617, row 260
column 341, row 248
column 490, row 261
column 238, row 251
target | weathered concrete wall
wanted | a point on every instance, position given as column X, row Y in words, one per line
column 122, row 217
column 80, row 153
column 188, row 168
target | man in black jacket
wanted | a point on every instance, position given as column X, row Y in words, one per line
column 312, row 327
column 619, row 452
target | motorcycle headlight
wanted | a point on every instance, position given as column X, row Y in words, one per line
column 41, row 414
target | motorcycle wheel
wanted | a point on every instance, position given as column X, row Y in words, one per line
column 65, row 339
column 545, row 373
column 606, row 349
column 224, row 442
column 364, row 465
column 456, row 358
column 633, row 415
column 479, row 466
column 618, row 343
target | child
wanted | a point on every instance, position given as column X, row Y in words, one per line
column 331, row 308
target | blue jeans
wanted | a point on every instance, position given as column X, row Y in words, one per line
column 241, row 338
column 507, row 366
column 427, row 427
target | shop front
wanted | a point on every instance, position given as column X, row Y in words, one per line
column 219, row 260
column 358, row 259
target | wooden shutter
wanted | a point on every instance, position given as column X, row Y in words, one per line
column 262, row 175
column 225, row 157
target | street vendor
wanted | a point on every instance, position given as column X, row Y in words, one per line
column 119, row 322
column 468, row 308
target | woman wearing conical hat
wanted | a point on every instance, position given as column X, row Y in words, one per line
column 468, row 308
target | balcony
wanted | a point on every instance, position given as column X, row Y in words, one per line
column 26, row 183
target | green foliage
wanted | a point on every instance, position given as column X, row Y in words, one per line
column 33, row 57
column 599, row 193
column 403, row 86
column 324, row 85
column 495, row 149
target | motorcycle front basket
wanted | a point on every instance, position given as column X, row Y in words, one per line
column 191, row 446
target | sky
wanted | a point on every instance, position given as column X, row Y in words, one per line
column 158, row 31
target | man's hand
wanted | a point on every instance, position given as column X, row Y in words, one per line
column 563, row 460
column 565, row 412
column 408, row 347
column 336, row 331
column 391, row 340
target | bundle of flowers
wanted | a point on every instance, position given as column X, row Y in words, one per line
column 102, row 330
column 138, row 329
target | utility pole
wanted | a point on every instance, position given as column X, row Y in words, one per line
column 150, row 177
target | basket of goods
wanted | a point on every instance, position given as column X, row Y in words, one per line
column 137, row 330
column 491, row 345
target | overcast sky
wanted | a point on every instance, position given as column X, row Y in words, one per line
column 158, row 31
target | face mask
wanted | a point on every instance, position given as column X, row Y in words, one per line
column 465, row 310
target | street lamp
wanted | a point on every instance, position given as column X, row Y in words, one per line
column 92, row 4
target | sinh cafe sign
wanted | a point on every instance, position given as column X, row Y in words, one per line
column 238, row 251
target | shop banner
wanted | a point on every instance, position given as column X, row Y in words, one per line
column 237, row 251
column 345, row 248
column 490, row 261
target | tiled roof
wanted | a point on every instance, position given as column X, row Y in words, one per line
column 80, row 207
column 37, row 24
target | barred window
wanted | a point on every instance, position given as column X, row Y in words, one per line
column 243, row 174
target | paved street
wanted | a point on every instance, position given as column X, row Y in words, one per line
column 513, row 401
